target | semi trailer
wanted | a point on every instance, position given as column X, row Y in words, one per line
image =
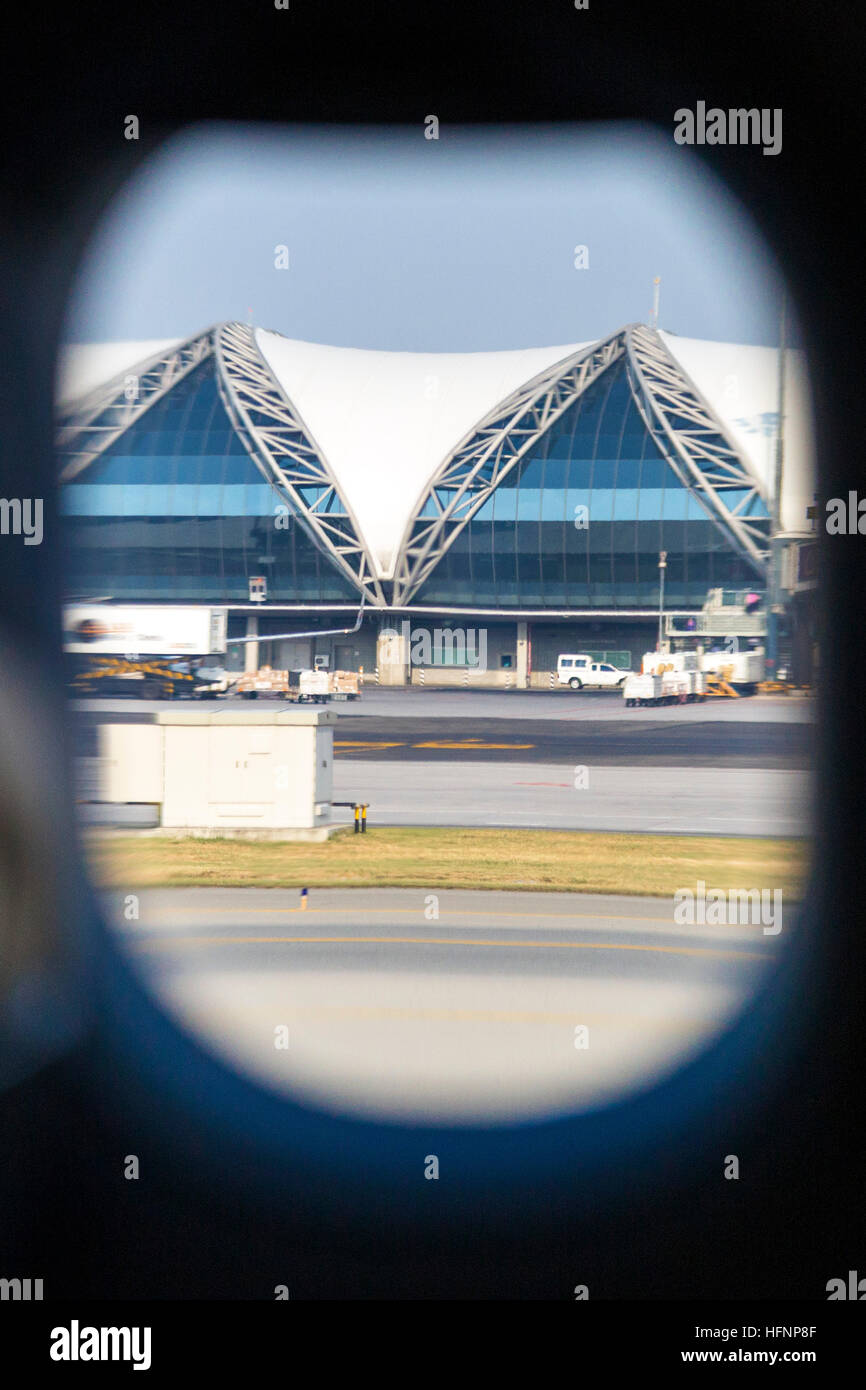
column 152, row 652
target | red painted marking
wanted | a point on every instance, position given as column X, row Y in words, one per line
column 541, row 784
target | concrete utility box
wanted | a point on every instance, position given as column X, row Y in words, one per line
column 130, row 770
column 260, row 773
column 247, row 770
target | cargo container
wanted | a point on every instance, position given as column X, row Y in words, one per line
column 135, row 630
column 644, row 689
column 742, row 670
column 664, row 688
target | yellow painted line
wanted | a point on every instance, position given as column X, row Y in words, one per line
column 471, row 743
column 358, row 743
column 163, row 945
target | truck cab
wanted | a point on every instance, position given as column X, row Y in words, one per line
column 606, row 675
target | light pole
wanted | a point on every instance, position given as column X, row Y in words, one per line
column 663, row 562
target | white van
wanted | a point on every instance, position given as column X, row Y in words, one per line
column 578, row 670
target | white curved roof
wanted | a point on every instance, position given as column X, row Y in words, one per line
column 741, row 385
column 81, row 367
column 386, row 420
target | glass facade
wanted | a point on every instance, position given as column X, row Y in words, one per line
column 176, row 510
column 580, row 522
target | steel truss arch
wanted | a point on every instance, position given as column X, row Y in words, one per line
column 488, row 454
column 277, row 439
column 689, row 435
column 89, row 426
column 695, row 443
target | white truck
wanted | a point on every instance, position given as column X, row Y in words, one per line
column 140, row 650
column 578, row 670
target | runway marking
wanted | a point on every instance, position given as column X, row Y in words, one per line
column 163, row 945
column 455, row 912
column 470, row 743
column 358, row 743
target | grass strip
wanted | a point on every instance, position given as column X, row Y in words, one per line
column 417, row 857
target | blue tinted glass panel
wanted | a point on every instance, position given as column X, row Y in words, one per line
column 524, row 548
column 176, row 509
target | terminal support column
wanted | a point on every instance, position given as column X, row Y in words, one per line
column 393, row 654
column 251, row 649
column 522, row 656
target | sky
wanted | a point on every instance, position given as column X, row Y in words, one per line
column 398, row 242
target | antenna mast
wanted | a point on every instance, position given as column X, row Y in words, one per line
column 654, row 316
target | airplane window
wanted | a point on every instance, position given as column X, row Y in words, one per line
column 367, row 858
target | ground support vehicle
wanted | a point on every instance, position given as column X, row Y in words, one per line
column 641, row 689
column 144, row 680
column 741, row 672
column 145, row 651
column 298, row 686
column 664, row 688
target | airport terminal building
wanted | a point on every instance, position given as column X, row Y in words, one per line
column 526, row 493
